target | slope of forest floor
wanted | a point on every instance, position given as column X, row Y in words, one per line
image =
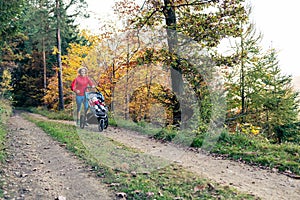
column 39, row 166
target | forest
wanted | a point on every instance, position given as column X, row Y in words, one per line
column 161, row 66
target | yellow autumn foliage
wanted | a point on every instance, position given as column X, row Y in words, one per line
column 77, row 57
column 248, row 128
column 5, row 86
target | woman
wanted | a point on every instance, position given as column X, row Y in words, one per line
column 79, row 85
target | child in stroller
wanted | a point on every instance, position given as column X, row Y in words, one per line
column 98, row 105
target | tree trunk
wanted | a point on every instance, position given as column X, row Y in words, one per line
column 176, row 74
column 112, row 88
column 127, row 96
column 60, row 84
column 243, row 80
column 44, row 65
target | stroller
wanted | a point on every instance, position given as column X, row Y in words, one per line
column 96, row 112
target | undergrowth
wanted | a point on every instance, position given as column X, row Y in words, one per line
column 258, row 151
column 5, row 113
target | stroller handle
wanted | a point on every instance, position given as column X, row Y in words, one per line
column 89, row 87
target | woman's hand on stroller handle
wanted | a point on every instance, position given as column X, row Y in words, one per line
column 90, row 87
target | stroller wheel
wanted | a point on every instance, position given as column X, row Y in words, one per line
column 82, row 122
column 106, row 122
column 101, row 125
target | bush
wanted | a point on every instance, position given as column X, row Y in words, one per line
column 197, row 142
column 166, row 134
column 288, row 133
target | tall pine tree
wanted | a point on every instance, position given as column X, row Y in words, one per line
column 257, row 93
column 273, row 100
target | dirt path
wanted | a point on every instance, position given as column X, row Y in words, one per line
column 38, row 169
